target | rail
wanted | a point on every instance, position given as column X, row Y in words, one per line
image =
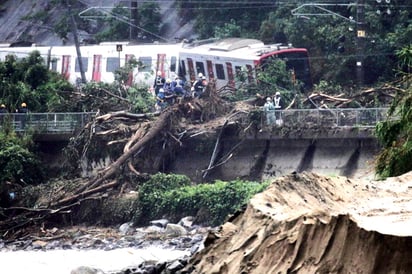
column 46, row 123
column 348, row 117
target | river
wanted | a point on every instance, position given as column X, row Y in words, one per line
column 64, row 261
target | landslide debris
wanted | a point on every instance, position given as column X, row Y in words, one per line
column 307, row 223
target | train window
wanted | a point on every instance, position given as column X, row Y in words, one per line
column 200, row 68
column 113, row 63
column 85, row 62
column 182, row 68
column 145, row 63
column 53, row 64
column 173, row 64
column 220, row 71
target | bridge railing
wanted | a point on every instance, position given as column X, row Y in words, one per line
column 348, row 117
column 49, row 123
column 60, row 123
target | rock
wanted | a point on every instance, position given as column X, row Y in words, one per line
column 186, row 222
column 86, row 270
column 125, row 228
column 160, row 223
column 174, row 266
column 150, row 230
column 39, row 244
column 175, row 230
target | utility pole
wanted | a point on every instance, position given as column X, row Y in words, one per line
column 360, row 41
column 76, row 41
column 134, row 19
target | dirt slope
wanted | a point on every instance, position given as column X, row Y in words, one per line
column 307, row 223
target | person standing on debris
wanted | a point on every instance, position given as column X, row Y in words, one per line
column 159, row 82
column 278, row 104
column 177, row 86
column 199, row 86
column 161, row 100
column 269, row 109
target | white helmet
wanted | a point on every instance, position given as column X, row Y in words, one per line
column 268, row 99
column 200, row 75
column 161, row 90
column 277, row 93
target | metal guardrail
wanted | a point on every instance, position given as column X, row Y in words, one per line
column 47, row 123
column 60, row 123
column 348, row 117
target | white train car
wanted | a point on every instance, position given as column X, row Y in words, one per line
column 220, row 60
column 216, row 59
column 101, row 61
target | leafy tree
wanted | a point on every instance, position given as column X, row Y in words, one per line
column 28, row 80
column 228, row 30
column 210, row 15
column 18, row 165
column 334, row 60
column 395, row 133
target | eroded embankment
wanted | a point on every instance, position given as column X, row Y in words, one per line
column 306, row 223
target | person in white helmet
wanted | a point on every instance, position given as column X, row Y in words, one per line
column 199, row 86
column 159, row 82
column 278, row 104
column 161, row 100
column 269, row 109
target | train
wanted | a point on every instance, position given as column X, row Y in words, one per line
column 215, row 59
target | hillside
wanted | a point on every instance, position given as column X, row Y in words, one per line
column 24, row 21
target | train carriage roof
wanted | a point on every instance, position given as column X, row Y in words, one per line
column 236, row 48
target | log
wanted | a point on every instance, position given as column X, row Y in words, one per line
column 157, row 126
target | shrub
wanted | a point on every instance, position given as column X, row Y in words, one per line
column 175, row 198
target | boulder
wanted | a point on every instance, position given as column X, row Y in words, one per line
column 175, row 230
column 160, row 223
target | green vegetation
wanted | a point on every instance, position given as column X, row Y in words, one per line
column 28, row 80
column 395, row 133
column 330, row 40
column 173, row 197
column 19, row 166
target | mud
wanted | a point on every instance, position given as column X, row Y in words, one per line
column 308, row 223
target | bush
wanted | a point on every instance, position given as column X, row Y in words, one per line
column 171, row 196
column 18, row 165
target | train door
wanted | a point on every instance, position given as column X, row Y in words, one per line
column 161, row 58
column 129, row 81
column 191, row 69
column 97, row 68
column 230, row 75
column 66, row 66
column 209, row 66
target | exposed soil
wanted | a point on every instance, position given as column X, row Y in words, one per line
column 307, row 223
